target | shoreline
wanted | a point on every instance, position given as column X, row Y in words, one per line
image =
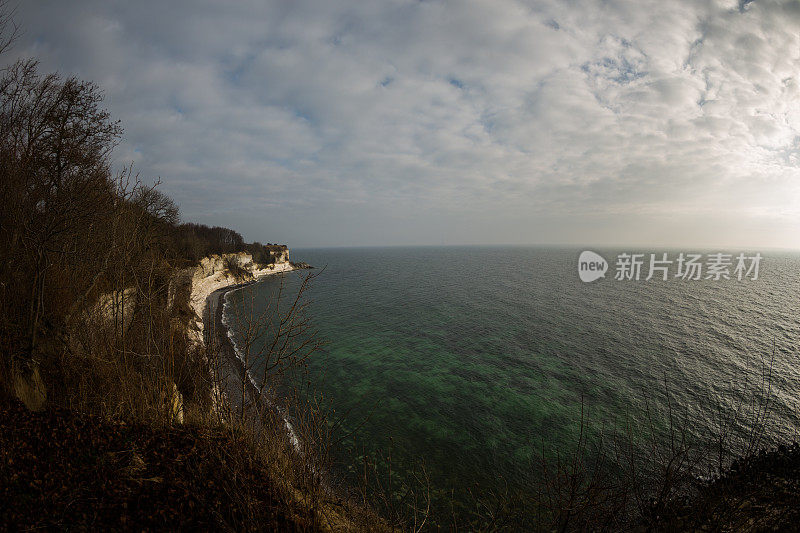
column 227, row 368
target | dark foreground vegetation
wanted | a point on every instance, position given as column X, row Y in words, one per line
column 68, row 471
column 758, row 493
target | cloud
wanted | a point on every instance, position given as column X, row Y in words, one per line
column 494, row 120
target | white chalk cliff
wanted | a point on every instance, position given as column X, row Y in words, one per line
column 213, row 273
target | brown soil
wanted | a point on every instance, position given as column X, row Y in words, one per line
column 63, row 470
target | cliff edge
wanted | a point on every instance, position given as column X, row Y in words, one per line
column 219, row 271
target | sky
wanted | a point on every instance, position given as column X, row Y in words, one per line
column 352, row 123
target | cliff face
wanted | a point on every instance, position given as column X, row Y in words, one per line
column 276, row 253
column 218, row 271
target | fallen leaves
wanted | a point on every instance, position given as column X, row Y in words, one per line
column 61, row 469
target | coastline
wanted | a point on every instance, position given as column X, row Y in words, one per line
column 212, row 274
column 233, row 384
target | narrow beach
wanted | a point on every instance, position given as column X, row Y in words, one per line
column 226, row 366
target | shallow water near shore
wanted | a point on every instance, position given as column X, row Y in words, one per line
column 479, row 359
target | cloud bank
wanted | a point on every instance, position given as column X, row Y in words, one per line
column 399, row 122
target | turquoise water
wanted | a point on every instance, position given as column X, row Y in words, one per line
column 477, row 360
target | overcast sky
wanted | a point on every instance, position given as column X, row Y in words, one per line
column 648, row 123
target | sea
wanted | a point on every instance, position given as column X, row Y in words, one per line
column 472, row 364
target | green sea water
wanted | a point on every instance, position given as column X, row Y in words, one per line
column 477, row 361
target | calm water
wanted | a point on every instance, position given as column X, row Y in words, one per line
column 476, row 359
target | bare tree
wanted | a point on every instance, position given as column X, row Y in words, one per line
column 9, row 31
column 54, row 143
column 273, row 340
